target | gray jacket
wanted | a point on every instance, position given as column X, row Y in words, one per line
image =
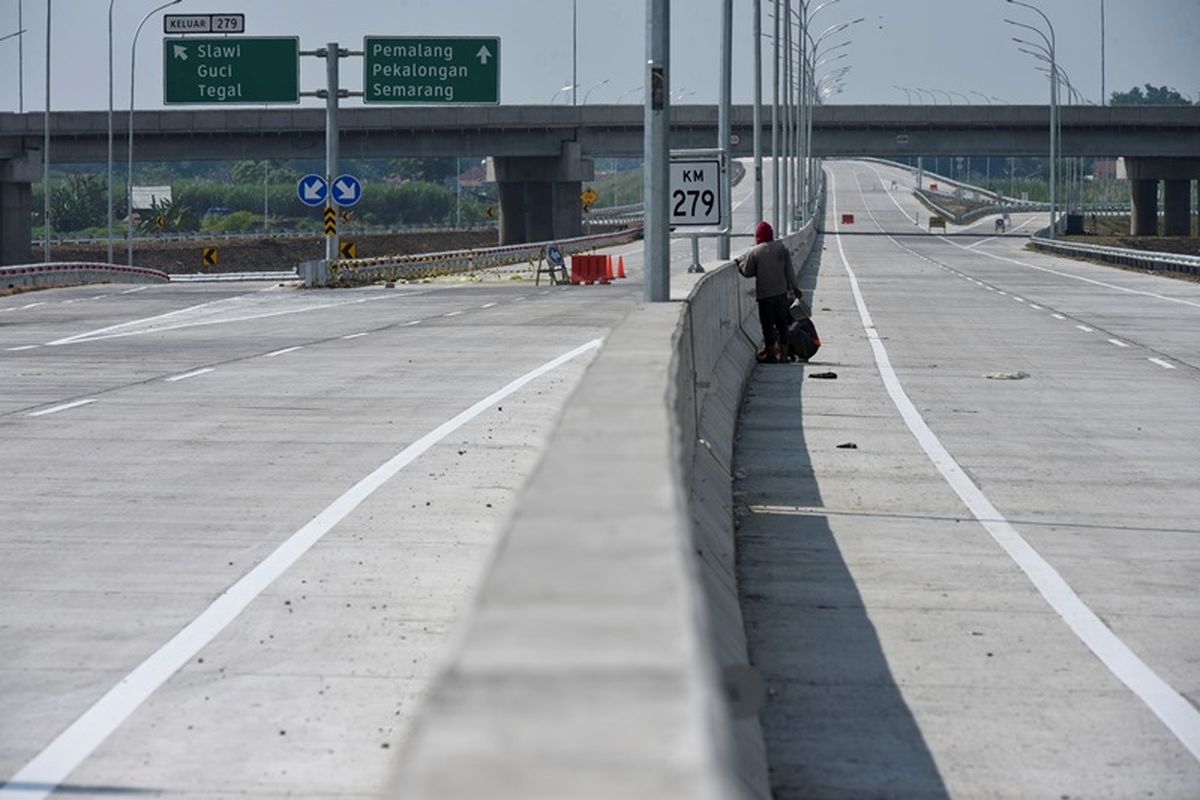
column 770, row 264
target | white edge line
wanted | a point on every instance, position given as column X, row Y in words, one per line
column 63, row 407
column 71, row 747
column 1163, row 364
column 1118, row 343
column 1086, row 329
column 1175, row 711
column 22, row 347
column 355, row 336
column 187, row 375
column 452, row 314
column 284, row 350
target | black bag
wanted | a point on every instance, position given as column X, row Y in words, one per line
column 802, row 339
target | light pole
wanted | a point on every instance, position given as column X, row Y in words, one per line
column 757, row 117
column 907, row 92
column 21, row 57
column 568, row 88
column 1053, row 102
column 593, row 88
column 628, row 91
column 46, row 150
column 725, row 119
column 1103, row 96
column 132, row 103
column 109, row 211
column 775, row 193
column 574, row 48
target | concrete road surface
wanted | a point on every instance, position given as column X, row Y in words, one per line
column 969, row 563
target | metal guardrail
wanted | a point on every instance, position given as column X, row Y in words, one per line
column 75, row 272
column 221, row 277
column 200, row 236
column 428, row 265
column 1142, row 259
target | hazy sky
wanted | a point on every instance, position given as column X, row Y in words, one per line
column 958, row 46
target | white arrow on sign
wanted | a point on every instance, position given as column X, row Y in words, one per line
column 314, row 190
column 484, row 54
column 180, row 52
column 345, row 193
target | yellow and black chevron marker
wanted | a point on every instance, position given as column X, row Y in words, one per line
column 330, row 221
column 210, row 257
column 348, row 249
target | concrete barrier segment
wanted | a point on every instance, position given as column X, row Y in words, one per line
column 604, row 654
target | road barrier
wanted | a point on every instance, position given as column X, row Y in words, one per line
column 605, row 647
column 348, row 272
column 72, row 273
column 1139, row 259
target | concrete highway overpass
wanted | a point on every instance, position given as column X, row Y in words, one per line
column 542, row 153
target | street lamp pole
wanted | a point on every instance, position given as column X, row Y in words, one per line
column 109, row 214
column 1053, row 105
column 775, row 176
column 757, row 118
column 46, row 151
column 1103, row 96
column 574, row 48
column 725, row 121
column 132, row 103
column 21, row 57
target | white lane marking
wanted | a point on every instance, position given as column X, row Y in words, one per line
column 518, row 299
column 284, row 350
column 63, row 407
column 1019, row 299
column 1118, row 343
column 135, row 290
column 1086, row 329
column 31, row 305
column 414, row 322
column 1175, row 711
column 1001, row 292
column 1035, row 307
column 22, row 347
column 487, row 305
column 1058, row 316
column 452, row 314
column 49, row 768
column 187, row 375
column 1163, row 364
column 111, row 331
column 355, row 336
column 98, row 297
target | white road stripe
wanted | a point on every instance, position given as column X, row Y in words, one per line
column 452, row 314
column 1035, row 307
column 414, row 322
column 1019, row 299
column 355, row 336
column 135, row 290
column 284, row 350
column 32, row 305
column 1175, row 711
column 1058, row 316
column 63, row 407
column 1118, row 343
column 1086, row 329
column 187, row 375
column 1163, row 364
column 487, row 305
column 49, row 768
column 22, row 347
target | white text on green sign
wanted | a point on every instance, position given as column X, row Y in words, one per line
column 431, row 70
column 220, row 70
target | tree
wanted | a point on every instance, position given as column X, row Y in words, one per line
column 244, row 172
column 79, row 203
column 1152, row 96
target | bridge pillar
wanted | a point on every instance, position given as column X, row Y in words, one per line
column 539, row 195
column 1143, row 200
column 1177, row 208
column 1177, row 175
column 17, row 175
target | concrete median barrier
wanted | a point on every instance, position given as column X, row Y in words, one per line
column 604, row 654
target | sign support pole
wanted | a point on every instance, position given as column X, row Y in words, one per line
column 657, row 239
column 332, row 56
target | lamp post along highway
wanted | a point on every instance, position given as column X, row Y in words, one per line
column 725, row 114
column 657, row 109
column 1050, row 42
column 775, row 121
column 757, row 118
column 132, row 104
column 109, row 210
column 46, row 150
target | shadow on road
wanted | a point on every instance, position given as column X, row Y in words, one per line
column 835, row 722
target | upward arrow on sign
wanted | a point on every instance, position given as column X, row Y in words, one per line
column 484, row 54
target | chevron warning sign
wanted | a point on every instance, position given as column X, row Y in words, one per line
column 209, row 256
column 330, row 221
column 348, row 249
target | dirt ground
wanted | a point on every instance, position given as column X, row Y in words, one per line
column 249, row 255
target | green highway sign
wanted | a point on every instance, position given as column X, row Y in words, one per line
column 431, row 70
column 220, row 70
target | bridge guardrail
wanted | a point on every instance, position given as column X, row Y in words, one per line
column 200, row 236
column 428, row 265
column 1142, row 259
column 76, row 272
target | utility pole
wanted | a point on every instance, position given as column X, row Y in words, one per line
column 657, row 242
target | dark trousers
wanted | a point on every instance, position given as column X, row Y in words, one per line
column 773, row 314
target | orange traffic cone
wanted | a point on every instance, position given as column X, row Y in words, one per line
column 608, row 270
column 620, row 266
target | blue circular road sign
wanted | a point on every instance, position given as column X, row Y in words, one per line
column 312, row 190
column 347, row 190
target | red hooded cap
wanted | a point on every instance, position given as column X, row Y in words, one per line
column 764, row 232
